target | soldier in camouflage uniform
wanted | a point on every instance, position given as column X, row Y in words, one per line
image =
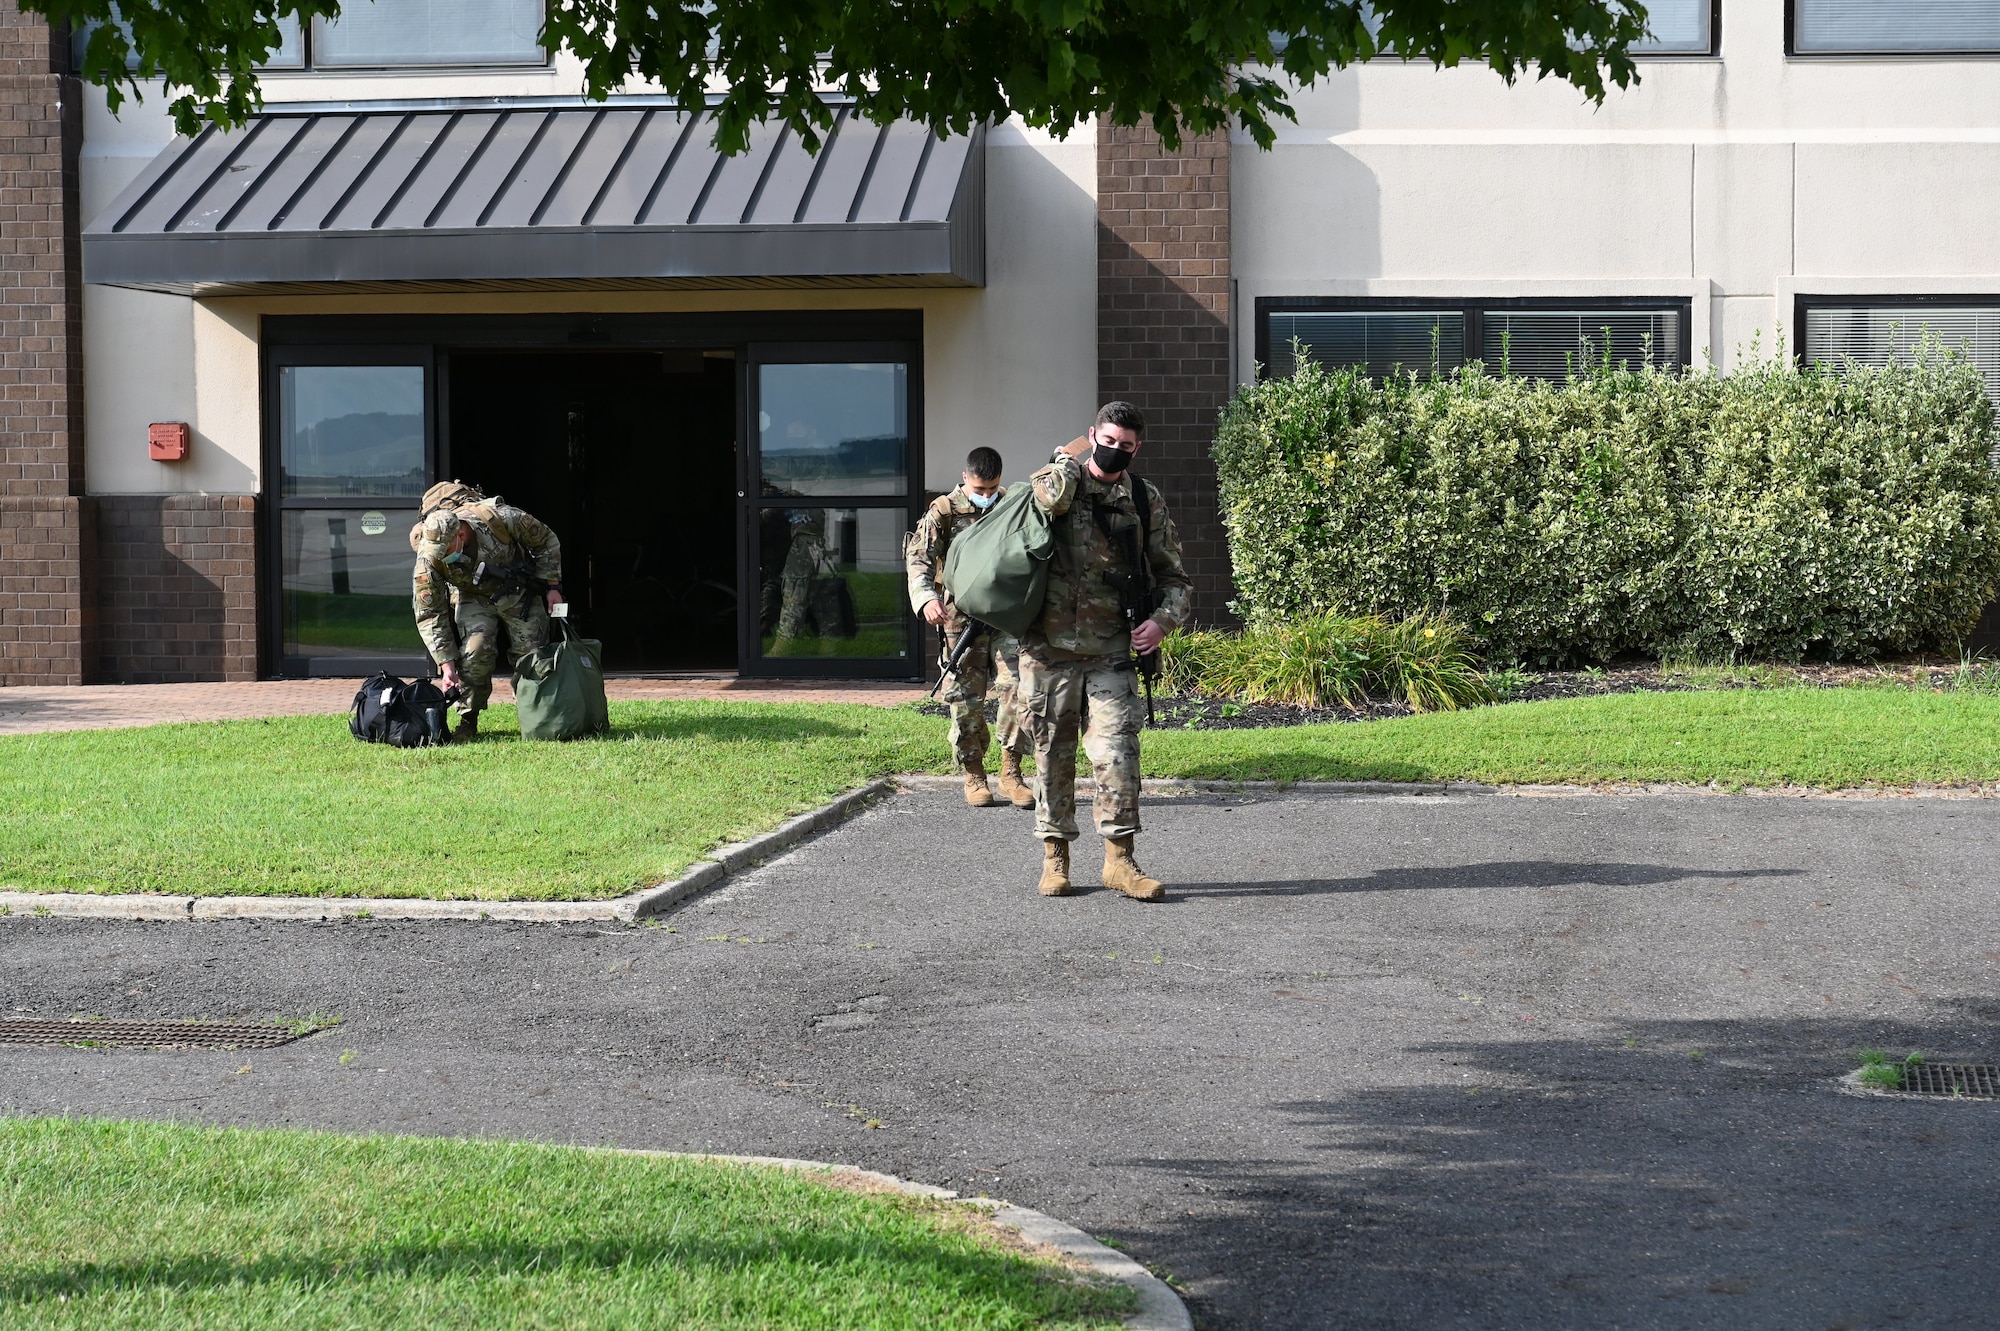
column 482, row 566
column 990, row 664
column 1079, row 655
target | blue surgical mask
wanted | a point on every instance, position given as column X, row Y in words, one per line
column 982, row 501
column 455, row 557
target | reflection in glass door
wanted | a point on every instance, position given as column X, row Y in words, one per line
column 352, row 459
column 833, row 466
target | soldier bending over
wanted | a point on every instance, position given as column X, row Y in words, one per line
column 482, row 565
column 990, row 663
column 1080, row 654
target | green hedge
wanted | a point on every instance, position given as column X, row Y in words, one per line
column 1772, row 512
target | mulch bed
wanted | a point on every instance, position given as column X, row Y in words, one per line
column 1192, row 712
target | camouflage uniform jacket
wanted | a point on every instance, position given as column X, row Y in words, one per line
column 508, row 545
column 924, row 554
column 1084, row 615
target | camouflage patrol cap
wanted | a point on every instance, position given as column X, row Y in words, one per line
column 433, row 536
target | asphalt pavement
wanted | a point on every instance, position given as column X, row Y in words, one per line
column 1412, row 1061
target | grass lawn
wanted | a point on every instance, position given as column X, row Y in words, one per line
column 159, row 1226
column 296, row 807
column 1827, row 738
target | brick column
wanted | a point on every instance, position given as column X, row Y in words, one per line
column 1163, row 324
column 45, row 619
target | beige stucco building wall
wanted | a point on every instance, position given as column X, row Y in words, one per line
column 1735, row 181
column 1738, row 181
column 1012, row 364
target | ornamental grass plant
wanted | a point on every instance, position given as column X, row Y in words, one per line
column 1324, row 660
column 1777, row 512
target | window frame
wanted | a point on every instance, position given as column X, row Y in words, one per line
column 1803, row 302
column 751, row 659
column 79, row 34
column 1714, row 40
column 275, row 502
column 1792, row 51
column 1472, row 310
column 308, row 68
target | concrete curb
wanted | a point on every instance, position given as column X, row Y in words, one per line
column 1160, row 1309
column 638, row 905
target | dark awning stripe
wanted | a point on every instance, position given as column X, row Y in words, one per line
column 491, row 194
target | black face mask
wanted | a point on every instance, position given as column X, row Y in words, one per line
column 1110, row 461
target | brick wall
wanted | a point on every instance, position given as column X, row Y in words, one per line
column 45, row 611
column 1163, row 324
column 176, row 588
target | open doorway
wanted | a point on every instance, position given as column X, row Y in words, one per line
column 631, row 457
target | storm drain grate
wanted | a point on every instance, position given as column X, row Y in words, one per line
column 1980, row 1081
column 149, row 1034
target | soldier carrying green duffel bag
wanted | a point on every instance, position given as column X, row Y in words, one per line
column 559, row 688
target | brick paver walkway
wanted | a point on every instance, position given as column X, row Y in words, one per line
column 113, row 706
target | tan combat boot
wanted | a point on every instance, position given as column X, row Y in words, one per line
column 1013, row 789
column 977, row 793
column 1123, row 874
column 467, row 727
column 1055, row 869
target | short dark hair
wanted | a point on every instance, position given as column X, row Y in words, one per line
column 983, row 463
column 1123, row 415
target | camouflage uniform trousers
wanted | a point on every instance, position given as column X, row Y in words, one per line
column 989, row 669
column 1056, row 690
column 802, row 565
column 526, row 621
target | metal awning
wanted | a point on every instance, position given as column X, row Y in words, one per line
column 497, row 196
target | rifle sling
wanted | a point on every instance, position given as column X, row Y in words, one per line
column 1142, row 568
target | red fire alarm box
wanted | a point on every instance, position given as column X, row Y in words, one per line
column 167, row 441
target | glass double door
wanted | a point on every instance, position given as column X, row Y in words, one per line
column 721, row 509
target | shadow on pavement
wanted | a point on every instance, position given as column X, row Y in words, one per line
column 1505, row 873
column 1570, row 1184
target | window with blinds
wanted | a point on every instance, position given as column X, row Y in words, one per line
column 1838, row 335
column 1860, row 27
column 1531, row 339
column 392, row 33
column 1678, row 27
column 1554, row 344
column 396, row 34
column 1383, row 342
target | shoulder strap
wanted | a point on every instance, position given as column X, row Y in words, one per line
column 491, row 514
column 1143, row 502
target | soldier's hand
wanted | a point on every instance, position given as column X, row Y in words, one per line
column 555, row 598
column 448, row 672
column 1147, row 637
column 934, row 613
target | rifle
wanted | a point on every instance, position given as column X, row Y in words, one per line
column 973, row 630
column 1135, row 589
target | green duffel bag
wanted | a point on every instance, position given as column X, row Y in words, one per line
column 559, row 688
column 997, row 570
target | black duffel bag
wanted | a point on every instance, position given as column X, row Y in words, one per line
column 409, row 716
